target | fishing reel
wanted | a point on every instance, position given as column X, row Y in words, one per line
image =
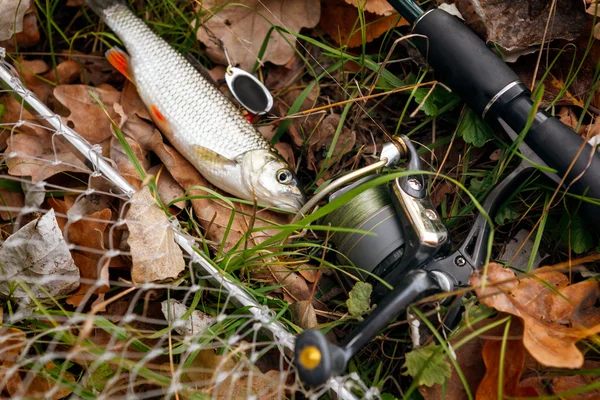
column 408, row 246
column 394, row 233
column 391, row 231
column 390, row 227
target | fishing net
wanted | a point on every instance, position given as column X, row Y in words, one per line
column 95, row 302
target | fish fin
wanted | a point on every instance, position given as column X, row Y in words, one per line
column 208, row 155
column 158, row 116
column 120, row 61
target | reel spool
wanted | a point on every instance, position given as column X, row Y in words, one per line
column 381, row 240
column 397, row 227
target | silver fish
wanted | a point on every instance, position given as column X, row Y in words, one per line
column 196, row 117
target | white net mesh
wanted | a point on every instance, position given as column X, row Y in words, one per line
column 95, row 301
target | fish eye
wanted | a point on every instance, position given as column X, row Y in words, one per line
column 284, row 176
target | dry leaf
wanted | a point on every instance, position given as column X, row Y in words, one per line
column 195, row 325
column 244, row 380
column 40, row 157
column 303, row 314
column 88, row 233
column 124, row 165
column 341, row 22
column 12, row 342
column 514, row 360
column 168, row 188
column 550, row 384
column 87, row 117
column 516, row 25
column 28, row 37
column 91, row 271
column 154, row 253
column 553, row 322
column 11, row 203
column 38, row 256
column 243, row 27
column 381, row 7
column 37, row 77
column 11, row 17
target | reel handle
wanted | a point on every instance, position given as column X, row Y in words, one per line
column 317, row 360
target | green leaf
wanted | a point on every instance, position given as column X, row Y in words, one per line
column 506, row 214
column 100, row 376
column 427, row 365
column 359, row 301
column 581, row 239
column 436, row 100
column 473, row 130
column 2, row 111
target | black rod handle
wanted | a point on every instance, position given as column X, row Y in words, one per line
column 462, row 61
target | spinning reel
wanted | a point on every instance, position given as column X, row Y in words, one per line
column 408, row 246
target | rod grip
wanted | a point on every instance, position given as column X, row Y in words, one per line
column 461, row 59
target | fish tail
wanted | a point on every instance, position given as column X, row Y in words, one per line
column 99, row 6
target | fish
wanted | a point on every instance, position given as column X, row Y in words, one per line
column 199, row 121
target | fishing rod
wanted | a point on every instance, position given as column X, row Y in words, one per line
column 408, row 247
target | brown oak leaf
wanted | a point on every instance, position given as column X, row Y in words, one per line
column 341, row 22
column 244, row 25
column 555, row 315
column 88, row 118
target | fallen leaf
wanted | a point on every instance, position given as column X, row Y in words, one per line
column 359, row 299
column 39, row 80
column 514, row 360
column 303, row 314
column 282, row 76
column 243, row 28
column 11, row 17
column 91, row 270
column 341, row 22
column 154, row 253
column 517, row 25
column 553, row 383
column 168, row 188
column 87, row 117
column 555, row 315
column 38, row 256
column 441, row 191
column 40, row 155
column 194, row 325
column 124, row 165
column 28, row 37
column 223, row 378
column 12, row 342
column 87, row 233
column 381, row 7
column 427, row 365
column 11, row 203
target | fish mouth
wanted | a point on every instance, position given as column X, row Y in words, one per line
column 293, row 204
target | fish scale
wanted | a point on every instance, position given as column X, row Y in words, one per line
column 192, row 112
column 196, row 117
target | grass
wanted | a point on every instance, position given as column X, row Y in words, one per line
column 537, row 206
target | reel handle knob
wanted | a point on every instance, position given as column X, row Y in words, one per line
column 316, row 359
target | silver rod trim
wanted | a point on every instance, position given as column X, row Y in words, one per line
column 420, row 18
column 497, row 96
